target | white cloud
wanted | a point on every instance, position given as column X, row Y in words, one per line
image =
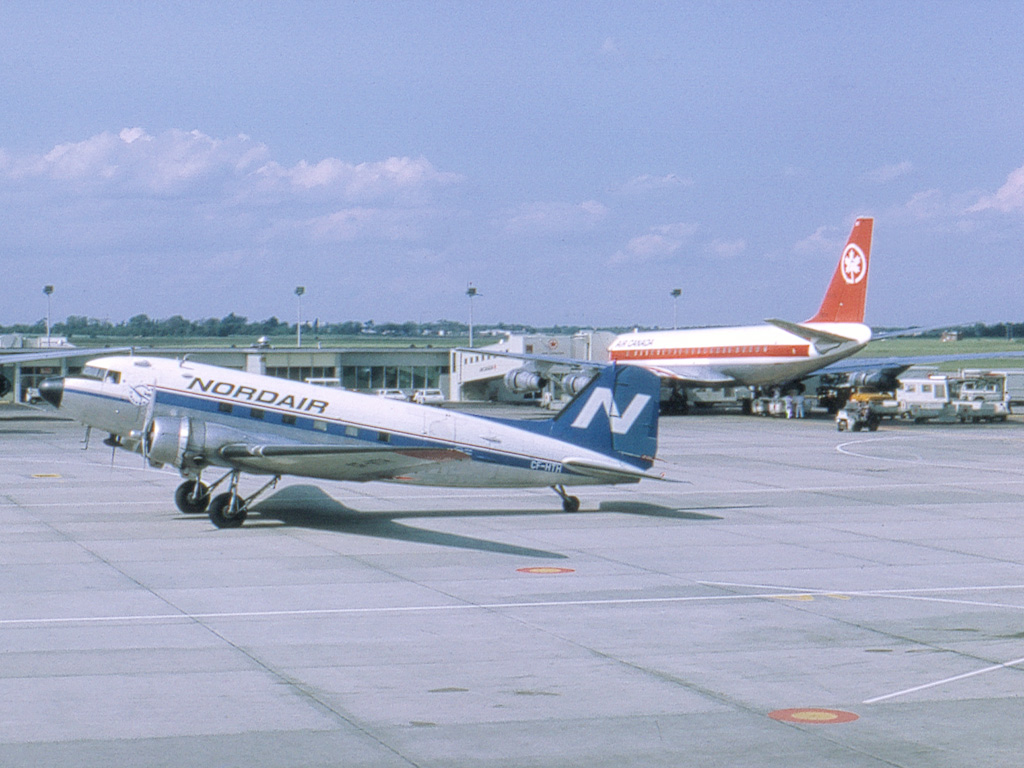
column 887, row 173
column 183, row 162
column 818, row 243
column 363, row 181
column 646, row 183
column 727, row 249
column 658, row 244
column 554, row 218
column 1008, row 198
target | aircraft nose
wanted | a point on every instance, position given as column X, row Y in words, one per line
column 52, row 390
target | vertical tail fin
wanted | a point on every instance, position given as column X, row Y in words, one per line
column 844, row 300
column 615, row 414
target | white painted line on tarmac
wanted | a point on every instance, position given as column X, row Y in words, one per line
column 314, row 612
column 944, row 681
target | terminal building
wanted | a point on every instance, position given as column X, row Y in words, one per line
column 461, row 375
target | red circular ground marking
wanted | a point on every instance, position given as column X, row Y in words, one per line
column 545, row 569
column 813, row 716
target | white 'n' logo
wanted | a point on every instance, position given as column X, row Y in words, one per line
column 601, row 399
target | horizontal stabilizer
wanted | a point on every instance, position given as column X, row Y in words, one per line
column 610, row 474
column 812, row 335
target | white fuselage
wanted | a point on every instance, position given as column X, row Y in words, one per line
column 756, row 355
column 123, row 395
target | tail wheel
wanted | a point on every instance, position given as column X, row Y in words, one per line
column 190, row 500
column 226, row 511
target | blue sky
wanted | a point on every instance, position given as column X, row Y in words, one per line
column 574, row 161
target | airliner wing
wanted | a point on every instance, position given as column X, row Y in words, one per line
column 337, row 462
column 900, row 364
column 694, row 375
column 57, row 354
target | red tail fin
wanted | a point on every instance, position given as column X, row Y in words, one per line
column 844, row 301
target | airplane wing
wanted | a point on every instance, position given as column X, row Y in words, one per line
column 694, row 375
column 900, row 364
column 57, row 354
column 337, row 462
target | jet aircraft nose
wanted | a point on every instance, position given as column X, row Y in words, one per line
column 52, row 390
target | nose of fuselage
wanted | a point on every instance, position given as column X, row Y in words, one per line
column 52, row 391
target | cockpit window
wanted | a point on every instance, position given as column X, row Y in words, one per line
column 91, row 372
column 113, row 377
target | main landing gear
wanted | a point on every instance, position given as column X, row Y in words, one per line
column 569, row 503
column 226, row 510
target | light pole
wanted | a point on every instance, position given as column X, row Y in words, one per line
column 676, row 293
column 299, row 290
column 471, row 292
column 48, row 290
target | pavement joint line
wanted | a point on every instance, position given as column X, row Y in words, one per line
column 944, row 681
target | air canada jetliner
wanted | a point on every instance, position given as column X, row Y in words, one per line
column 774, row 353
column 200, row 417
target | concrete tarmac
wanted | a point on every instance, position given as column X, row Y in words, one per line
column 808, row 598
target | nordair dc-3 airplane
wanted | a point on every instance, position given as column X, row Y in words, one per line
column 201, row 417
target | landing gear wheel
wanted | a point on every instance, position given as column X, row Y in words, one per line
column 571, row 504
column 226, row 511
column 190, row 501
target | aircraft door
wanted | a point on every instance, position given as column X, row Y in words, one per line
column 439, row 424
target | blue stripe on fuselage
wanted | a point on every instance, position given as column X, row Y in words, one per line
column 337, row 429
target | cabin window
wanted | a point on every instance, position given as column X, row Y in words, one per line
column 288, row 419
column 351, row 431
column 224, row 407
column 319, row 426
column 383, row 437
column 926, row 388
column 940, row 390
column 257, row 413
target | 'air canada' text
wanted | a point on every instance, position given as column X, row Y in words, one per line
column 253, row 395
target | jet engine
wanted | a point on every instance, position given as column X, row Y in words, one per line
column 522, row 380
column 575, row 382
column 881, row 380
column 185, row 442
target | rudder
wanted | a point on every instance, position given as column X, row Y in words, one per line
column 615, row 414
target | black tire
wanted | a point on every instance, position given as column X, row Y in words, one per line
column 571, row 504
column 188, row 505
column 220, row 511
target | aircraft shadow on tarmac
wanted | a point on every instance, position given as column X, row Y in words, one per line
column 307, row 506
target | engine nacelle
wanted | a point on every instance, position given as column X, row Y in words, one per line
column 575, row 382
column 883, row 381
column 186, row 443
column 522, row 380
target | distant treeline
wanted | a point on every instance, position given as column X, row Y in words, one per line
column 235, row 325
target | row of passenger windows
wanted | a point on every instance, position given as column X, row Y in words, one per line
column 704, row 351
